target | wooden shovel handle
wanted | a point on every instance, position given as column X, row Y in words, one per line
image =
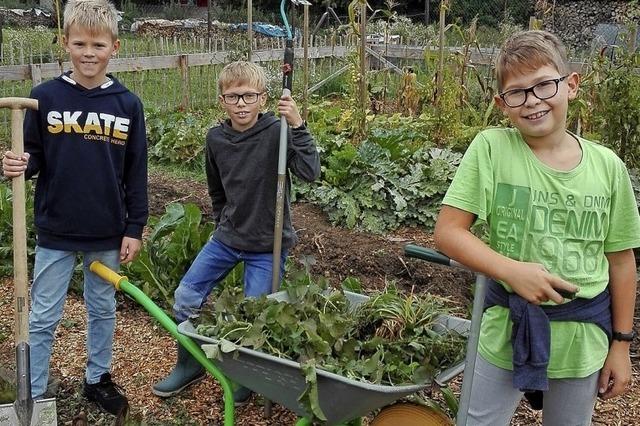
column 20, row 274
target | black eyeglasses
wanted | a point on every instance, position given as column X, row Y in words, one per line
column 247, row 98
column 544, row 90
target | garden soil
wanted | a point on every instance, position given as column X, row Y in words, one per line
column 144, row 352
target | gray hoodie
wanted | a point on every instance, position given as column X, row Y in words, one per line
column 242, row 175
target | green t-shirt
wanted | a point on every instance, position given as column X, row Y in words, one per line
column 565, row 220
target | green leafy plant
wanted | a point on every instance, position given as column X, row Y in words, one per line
column 167, row 253
column 388, row 339
column 394, row 177
column 178, row 137
column 610, row 87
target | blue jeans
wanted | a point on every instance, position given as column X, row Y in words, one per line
column 212, row 265
column 51, row 275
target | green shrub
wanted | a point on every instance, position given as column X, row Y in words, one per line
column 175, row 240
column 178, row 137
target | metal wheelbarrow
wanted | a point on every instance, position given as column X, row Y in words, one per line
column 280, row 380
column 344, row 401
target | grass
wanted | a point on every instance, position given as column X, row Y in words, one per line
column 7, row 392
column 178, row 171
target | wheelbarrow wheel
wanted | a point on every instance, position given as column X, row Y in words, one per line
column 407, row 414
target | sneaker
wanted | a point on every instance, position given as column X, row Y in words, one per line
column 107, row 395
column 241, row 396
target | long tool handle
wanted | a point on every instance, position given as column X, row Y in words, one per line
column 20, row 273
column 287, row 81
column 24, row 402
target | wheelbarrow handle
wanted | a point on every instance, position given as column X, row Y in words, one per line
column 107, row 274
column 122, row 283
column 434, row 256
column 431, row 255
column 424, row 253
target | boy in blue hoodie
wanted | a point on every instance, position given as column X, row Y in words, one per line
column 87, row 145
column 241, row 166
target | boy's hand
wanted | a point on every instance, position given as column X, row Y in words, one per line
column 14, row 165
column 129, row 249
column 615, row 375
column 534, row 283
column 288, row 109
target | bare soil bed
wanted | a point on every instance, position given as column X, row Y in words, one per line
column 144, row 352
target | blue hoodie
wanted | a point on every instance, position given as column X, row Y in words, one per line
column 89, row 150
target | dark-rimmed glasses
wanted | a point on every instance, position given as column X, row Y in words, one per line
column 544, row 90
column 248, row 98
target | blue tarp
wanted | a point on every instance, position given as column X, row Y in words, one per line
column 263, row 28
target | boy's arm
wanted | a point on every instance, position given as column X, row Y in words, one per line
column 530, row 280
column 135, row 178
column 214, row 184
column 616, row 373
column 302, row 156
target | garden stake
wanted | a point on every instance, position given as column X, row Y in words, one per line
column 24, row 411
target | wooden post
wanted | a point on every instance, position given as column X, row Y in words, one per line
column 363, row 64
column 250, row 27
column 305, row 65
column 440, row 74
column 208, row 25
column 184, row 73
column 36, row 74
column 426, row 12
column 1, row 45
column 633, row 37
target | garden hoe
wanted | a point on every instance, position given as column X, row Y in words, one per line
column 287, row 81
column 24, row 411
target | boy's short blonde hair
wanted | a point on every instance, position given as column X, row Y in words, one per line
column 94, row 15
column 526, row 51
column 242, row 72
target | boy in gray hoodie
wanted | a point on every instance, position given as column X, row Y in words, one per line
column 241, row 167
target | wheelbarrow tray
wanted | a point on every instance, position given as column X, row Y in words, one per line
column 281, row 380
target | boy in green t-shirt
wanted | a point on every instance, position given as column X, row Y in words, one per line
column 562, row 218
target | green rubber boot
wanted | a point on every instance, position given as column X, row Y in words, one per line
column 186, row 372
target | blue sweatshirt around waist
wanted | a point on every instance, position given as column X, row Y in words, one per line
column 531, row 332
column 89, row 150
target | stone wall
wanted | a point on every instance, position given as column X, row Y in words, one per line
column 576, row 21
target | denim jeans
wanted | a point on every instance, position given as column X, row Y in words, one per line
column 52, row 272
column 212, row 265
column 494, row 400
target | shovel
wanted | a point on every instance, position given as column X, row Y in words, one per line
column 24, row 411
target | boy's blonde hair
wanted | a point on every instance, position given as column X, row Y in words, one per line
column 526, row 51
column 94, row 15
column 242, row 72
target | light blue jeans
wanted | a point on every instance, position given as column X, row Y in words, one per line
column 212, row 265
column 51, row 275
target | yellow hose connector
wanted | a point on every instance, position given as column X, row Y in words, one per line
column 107, row 274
